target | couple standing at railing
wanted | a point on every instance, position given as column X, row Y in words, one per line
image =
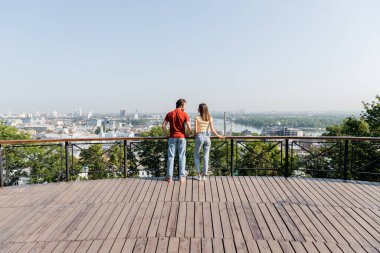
column 179, row 121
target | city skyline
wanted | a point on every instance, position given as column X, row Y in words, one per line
column 256, row 56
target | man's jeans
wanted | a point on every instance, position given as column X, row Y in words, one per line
column 180, row 145
column 202, row 139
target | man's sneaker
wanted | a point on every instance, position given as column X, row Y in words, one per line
column 199, row 177
column 168, row 179
column 186, row 173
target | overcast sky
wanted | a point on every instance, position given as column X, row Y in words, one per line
column 254, row 55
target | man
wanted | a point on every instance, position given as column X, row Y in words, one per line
column 178, row 121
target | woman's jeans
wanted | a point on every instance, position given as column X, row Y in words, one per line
column 180, row 145
column 202, row 139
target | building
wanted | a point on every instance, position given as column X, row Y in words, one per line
column 282, row 131
column 123, row 113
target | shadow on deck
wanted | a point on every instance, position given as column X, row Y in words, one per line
column 221, row 214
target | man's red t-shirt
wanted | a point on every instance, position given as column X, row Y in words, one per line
column 177, row 120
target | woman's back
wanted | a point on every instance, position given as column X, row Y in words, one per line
column 202, row 125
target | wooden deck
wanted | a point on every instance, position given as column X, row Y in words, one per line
column 222, row 214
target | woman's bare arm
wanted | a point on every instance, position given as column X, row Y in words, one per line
column 214, row 131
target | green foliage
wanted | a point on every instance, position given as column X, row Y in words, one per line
column 259, row 158
column 290, row 121
column 371, row 115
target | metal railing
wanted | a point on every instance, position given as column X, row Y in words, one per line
column 41, row 161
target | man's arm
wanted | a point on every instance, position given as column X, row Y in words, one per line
column 188, row 126
column 164, row 130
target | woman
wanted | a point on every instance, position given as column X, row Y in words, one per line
column 203, row 122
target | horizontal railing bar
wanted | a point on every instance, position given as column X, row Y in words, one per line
column 341, row 138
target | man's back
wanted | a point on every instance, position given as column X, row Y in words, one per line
column 177, row 119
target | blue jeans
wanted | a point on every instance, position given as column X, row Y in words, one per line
column 202, row 139
column 180, row 145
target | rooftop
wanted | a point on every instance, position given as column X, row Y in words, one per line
column 221, row 214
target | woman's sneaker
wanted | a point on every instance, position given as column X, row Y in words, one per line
column 168, row 179
column 204, row 178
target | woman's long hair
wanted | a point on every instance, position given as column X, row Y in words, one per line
column 203, row 110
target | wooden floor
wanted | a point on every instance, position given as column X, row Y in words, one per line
column 222, row 214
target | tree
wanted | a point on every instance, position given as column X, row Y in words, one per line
column 371, row 115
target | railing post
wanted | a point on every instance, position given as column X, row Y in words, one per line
column 232, row 157
column 286, row 157
column 1, row 168
column 67, row 161
column 125, row 158
column 345, row 161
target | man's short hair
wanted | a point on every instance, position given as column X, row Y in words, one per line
column 180, row 102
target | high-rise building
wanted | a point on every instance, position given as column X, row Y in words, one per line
column 123, row 113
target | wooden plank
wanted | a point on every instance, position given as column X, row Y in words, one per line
column 271, row 223
column 88, row 228
column 286, row 234
column 216, row 222
column 291, row 226
column 140, row 245
column 226, row 225
column 198, row 220
column 146, row 219
column 220, row 187
column 201, row 191
column 184, row 245
column 161, row 231
column 322, row 227
column 127, row 192
column 129, row 245
column 207, row 221
column 195, row 245
column 189, row 190
column 111, row 221
column 157, row 190
column 227, row 190
column 106, row 246
column 72, row 247
column 102, row 221
column 144, row 190
column 117, row 245
column 229, row 245
column 195, row 190
column 60, row 247
column 252, row 222
column 275, row 246
column 181, row 223
column 127, row 223
column 206, row 245
column 298, row 247
column 190, row 221
column 236, row 230
column 175, row 195
column 208, row 191
column 163, row 189
column 173, row 245
column 95, row 246
column 84, row 246
column 246, row 183
column 239, row 187
column 263, row 246
column 152, row 231
column 172, row 221
column 151, row 245
column 213, row 189
column 297, row 227
column 137, row 220
column 182, row 191
column 112, row 231
column 265, row 231
column 169, row 191
column 289, row 195
column 120, row 189
column 245, row 229
column 217, row 245
column 321, row 247
column 38, row 247
column 233, row 190
column 309, row 246
column 287, row 247
column 278, row 196
column 162, row 245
